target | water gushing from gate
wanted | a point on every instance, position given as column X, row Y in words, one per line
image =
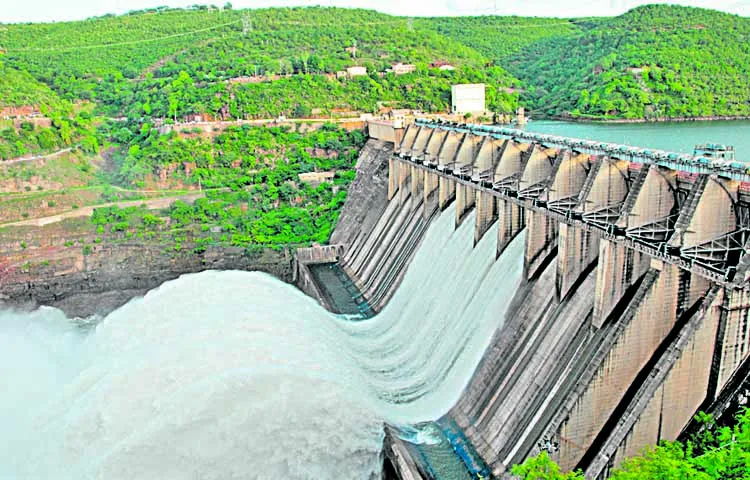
column 238, row 375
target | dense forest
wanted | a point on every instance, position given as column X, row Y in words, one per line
column 655, row 61
column 106, row 85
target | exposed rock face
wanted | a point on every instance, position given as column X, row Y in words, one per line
column 368, row 193
column 83, row 285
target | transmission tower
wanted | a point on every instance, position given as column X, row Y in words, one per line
column 410, row 24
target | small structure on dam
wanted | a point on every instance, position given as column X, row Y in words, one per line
column 634, row 310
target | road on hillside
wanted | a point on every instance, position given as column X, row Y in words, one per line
column 151, row 204
column 36, row 157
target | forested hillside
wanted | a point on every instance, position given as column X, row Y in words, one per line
column 498, row 38
column 17, row 87
column 655, row 61
column 116, row 81
column 171, row 63
column 50, row 124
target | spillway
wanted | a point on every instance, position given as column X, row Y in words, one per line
column 238, row 375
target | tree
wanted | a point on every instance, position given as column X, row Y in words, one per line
column 542, row 467
column 668, row 461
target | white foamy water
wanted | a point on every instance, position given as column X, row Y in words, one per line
column 224, row 375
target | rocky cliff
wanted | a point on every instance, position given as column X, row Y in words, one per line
column 58, row 265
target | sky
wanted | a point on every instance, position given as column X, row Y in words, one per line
column 58, row 10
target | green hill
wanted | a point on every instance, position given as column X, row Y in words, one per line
column 498, row 38
column 655, row 61
column 315, row 40
column 18, row 88
column 176, row 62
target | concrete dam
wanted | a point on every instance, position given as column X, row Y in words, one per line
column 632, row 312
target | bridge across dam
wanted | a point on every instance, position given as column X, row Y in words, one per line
column 634, row 311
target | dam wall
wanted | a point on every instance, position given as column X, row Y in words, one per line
column 634, row 299
column 304, row 277
column 630, row 316
column 379, row 233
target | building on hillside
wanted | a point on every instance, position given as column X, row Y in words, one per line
column 399, row 113
column 467, row 98
column 356, row 71
column 341, row 74
column 521, row 116
column 443, row 66
column 402, row 68
column 316, row 178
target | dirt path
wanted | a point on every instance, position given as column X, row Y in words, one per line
column 36, row 157
column 152, row 204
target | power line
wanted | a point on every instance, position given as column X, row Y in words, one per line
column 247, row 24
column 248, row 27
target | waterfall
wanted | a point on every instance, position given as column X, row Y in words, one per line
column 237, row 375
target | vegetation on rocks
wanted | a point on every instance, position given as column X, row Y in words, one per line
column 256, row 197
column 65, row 127
column 715, row 453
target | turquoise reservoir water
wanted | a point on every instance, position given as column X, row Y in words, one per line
column 671, row 136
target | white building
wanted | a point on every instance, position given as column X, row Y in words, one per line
column 356, row 71
column 467, row 98
column 402, row 68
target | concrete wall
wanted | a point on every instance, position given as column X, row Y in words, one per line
column 385, row 130
column 614, row 326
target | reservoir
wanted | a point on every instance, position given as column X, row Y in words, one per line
column 671, row 136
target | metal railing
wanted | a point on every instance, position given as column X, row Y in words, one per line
column 733, row 169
